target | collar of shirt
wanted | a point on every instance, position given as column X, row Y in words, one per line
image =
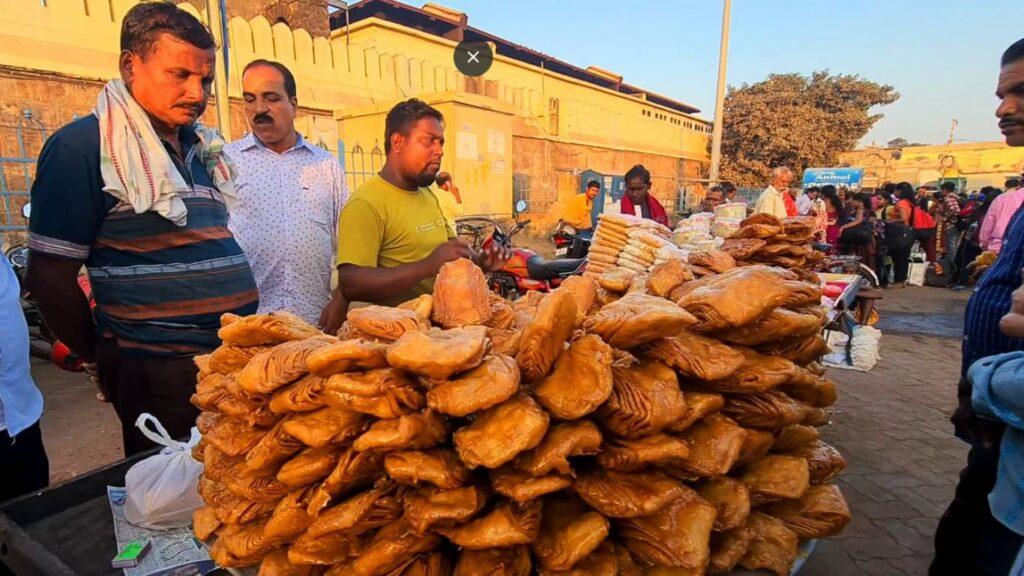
column 250, row 141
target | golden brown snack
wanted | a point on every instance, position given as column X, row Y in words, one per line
column 508, row 524
column 290, row 517
column 715, row 444
column 770, row 410
column 616, row 280
column 777, row 477
column 677, row 536
column 522, row 487
column 410, row 432
column 440, row 467
column 422, row 305
column 815, row 416
column 436, row 563
column 524, row 309
column 229, row 358
column 302, row 396
column 603, row 560
column 568, row 533
column 218, row 464
column 695, row 356
column 384, row 393
column 762, row 218
column 794, row 437
column 224, row 558
column 655, row 450
column 308, row 466
column 821, row 513
column 231, row 509
column 773, row 546
column 439, row 353
column 429, row 508
column 246, row 540
column 503, row 316
column 561, row 442
column 636, row 319
column 385, row 323
column 779, row 325
column 809, row 389
column 461, row 297
column 229, row 435
column 580, row 382
column 325, row 426
column 667, row 276
column 645, row 399
column 346, row 356
column 717, row 261
column 354, row 470
column 800, row 351
column 205, row 522
column 734, row 298
column 799, row 228
column 280, row 365
column 628, row 494
column 264, row 329
column 698, row 405
column 504, row 342
column 584, row 292
column 730, row 497
column 326, row 550
column 544, row 338
column 824, row 461
column 490, row 383
column 755, row 446
column 742, row 248
column 500, row 433
column 762, row 231
column 361, row 513
column 728, row 548
column 246, row 409
column 209, row 392
column 276, row 563
column 514, row 561
column 273, row 449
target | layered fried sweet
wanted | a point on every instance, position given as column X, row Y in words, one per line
column 676, row 536
column 636, row 319
column 698, row 405
column 778, row 325
column 717, row 261
column 326, row 550
column 742, row 248
column 461, row 297
column 580, row 382
column 230, row 435
column 303, row 395
column 794, row 437
column 504, row 342
column 755, row 446
column 500, row 433
column 512, row 561
column 667, row 276
column 800, row 351
column 360, row 513
column 544, row 337
column 308, row 466
column 824, row 461
column 777, row 477
column 230, row 358
column 503, row 316
column 715, row 444
column 645, row 399
column 490, row 383
column 695, row 356
column 205, row 522
column 430, row 508
column 276, row 563
column 440, row 467
column 280, row 365
column 264, row 329
column 584, row 292
column 568, row 533
column 347, row 355
column 821, row 512
column 422, row 305
column 616, row 280
column 385, row 323
column 439, row 353
column 508, row 524
column 353, row 470
column 231, row 509
column 773, row 546
column 290, row 517
column 273, row 449
column 734, row 298
column 325, row 426
column 410, row 432
column 655, row 450
column 245, row 540
column 770, row 410
column 522, row 487
column 728, row 548
column 810, row 389
column 561, row 442
column 730, row 497
column 628, row 494
column 384, row 393
column 757, row 373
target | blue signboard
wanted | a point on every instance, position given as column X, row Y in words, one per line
column 848, row 177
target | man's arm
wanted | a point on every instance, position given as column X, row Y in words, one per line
column 989, row 236
column 53, row 283
column 375, row 284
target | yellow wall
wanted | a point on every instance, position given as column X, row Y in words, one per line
column 981, row 163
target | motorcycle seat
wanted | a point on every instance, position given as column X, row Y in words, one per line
column 541, row 268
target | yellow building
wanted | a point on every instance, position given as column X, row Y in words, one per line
column 975, row 164
column 553, row 119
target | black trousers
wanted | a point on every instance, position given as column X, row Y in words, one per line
column 160, row 386
column 24, row 462
column 969, row 540
column 900, row 264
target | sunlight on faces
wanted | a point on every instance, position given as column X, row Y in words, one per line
column 268, row 109
column 637, row 189
column 1010, row 91
column 418, row 154
column 172, row 82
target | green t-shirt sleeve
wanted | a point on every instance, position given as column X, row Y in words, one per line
column 360, row 233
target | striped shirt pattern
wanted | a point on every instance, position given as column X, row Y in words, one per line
column 991, row 300
column 160, row 288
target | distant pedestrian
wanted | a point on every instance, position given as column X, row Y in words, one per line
column 775, row 199
column 999, row 214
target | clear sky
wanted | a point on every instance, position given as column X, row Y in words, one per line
column 941, row 55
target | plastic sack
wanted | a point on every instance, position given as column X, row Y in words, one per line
column 162, row 490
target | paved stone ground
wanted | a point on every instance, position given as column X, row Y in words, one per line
column 892, row 426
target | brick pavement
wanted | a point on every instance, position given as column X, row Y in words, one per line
column 892, row 426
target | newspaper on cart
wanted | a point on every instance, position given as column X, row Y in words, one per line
column 173, row 551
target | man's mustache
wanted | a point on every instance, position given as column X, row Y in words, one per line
column 262, row 118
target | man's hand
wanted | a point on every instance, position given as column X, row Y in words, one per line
column 1013, row 323
column 494, row 257
column 448, row 252
column 334, row 313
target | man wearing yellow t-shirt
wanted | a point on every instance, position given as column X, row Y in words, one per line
column 392, row 233
column 578, row 210
column 449, row 198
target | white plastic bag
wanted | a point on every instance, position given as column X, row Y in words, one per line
column 162, row 490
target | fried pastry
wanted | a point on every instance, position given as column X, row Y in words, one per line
column 230, row 435
column 758, row 373
column 645, row 399
column 580, row 382
column 824, row 461
column 742, row 248
column 562, row 441
column 264, row 329
column 730, row 497
column 325, row 426
column 276, row 563
column 513, row 561
column 231, row 509
column 308, row 466
column 430, row 508
column 461, row 297
column 205, row 523
column 698, row 405
column 503, row 316
column 794, row 437
column 504, row 342
column 777, row 477
column 821, row 513
column 508, row 524
column 655, row 450
column 522, row 487
column 695, row 356
column 440, row 467
column 544, row 338
column 628, row 494
column 279, row 366
column 616, row 280
column 677, row 536
column 361, row 513
column 770, row 410
column 229, row 358
column 715, row 444
column 490, row 383
column 500, row 433
column 636, row 319
column 385, row 323
column 304, row 395
column 353, row 470
column 290, row 517
column 439, row 354
column 273, row 449
column 410, row 432
column 346, row 356
column 326, row 550
column 667, row 276
column 779, row 325
column 584, row 292
column 728, row 548
column 773, row 546
column 568, row 533
column 384, row 393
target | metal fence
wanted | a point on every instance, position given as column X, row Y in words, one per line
column 21, row 139
column 358, row 164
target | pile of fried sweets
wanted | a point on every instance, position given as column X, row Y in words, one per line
column 623, row 424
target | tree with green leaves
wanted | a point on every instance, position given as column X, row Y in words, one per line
column 901, row 143
column 797, row 121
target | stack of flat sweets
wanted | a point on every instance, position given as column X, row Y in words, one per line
column 612, row 236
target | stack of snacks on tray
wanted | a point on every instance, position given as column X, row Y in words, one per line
column 621, row 239
column 603, row 428
column 764, row 239
column 641, row 251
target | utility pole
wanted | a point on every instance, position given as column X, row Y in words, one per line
column 716, row 136
column 952, row 129
column 215, row 16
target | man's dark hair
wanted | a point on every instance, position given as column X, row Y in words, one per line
column 1012, row 183
column 442, row 178
column 638, row 171
column 948, row 186
column 289, row 79
column 905, row 191
column 828, row 190
column 401, row 118
column 593, row 184
column 728, row 187
column 812, row 189
column 1013, row 53
column 145, row 22
column 716, row 189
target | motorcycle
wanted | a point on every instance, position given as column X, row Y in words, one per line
column 568, row 243
column 528, row 271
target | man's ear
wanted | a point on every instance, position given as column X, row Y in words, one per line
column 295, row 102
column 397, row 141
column 125, row 63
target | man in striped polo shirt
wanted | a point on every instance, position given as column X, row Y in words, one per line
column 160, row 283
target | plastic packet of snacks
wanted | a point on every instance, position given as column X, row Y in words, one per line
column 724, row 227
column 737, row 210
